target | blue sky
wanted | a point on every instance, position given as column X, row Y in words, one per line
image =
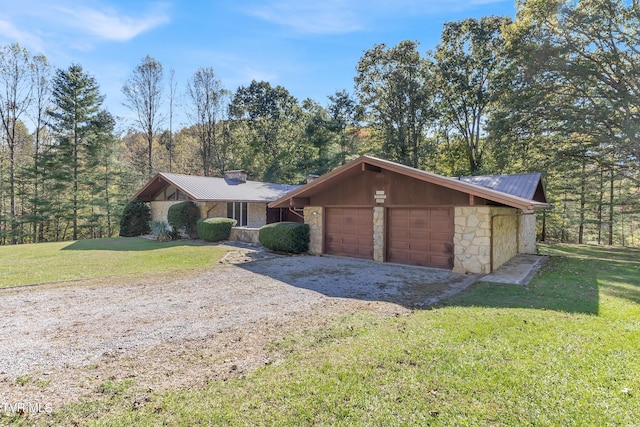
column 309, row 47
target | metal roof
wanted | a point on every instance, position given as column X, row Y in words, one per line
column 521, row 185
column 205, row 188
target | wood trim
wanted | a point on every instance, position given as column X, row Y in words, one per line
column 349, row 206
column 420, row 206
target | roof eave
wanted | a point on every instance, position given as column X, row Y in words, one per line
column 169, row 181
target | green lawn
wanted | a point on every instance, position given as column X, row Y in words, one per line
column 563, row 351
column 98, row 258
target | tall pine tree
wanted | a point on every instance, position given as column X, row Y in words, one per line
column 77, row 102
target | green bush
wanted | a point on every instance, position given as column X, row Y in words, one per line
column 183, row 217
column 292, row 237
column 135, row 219
column 215, row 229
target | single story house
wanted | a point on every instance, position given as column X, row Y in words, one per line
column 376, row 209
column 230, row 197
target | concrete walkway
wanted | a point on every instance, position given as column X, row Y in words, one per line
column 519, row 270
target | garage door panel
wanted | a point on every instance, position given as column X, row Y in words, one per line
column 440, row 214
column 440, row 260
column 420, row 236
column 439, row 236
column 349, row 232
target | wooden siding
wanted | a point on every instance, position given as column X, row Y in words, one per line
column 401, row 190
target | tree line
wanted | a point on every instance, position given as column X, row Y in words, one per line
column 556, row 90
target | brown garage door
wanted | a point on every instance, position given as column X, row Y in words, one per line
column 349, row 232
column 420, row 236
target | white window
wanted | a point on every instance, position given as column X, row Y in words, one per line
column 238, row 211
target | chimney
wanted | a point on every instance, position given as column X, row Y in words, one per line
column 311, row 177
column 236, row 175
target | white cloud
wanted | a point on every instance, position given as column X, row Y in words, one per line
column 325, row 17
column 110, row 25
column 344, row 16
column 75, row 24
column 13, row 34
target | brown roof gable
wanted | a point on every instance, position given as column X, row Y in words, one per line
column 365, row 162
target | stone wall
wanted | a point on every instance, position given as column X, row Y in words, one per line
column 313, row 217
column 472, row 238
column 505, row 235
column 160, row 209
column 212, row 209
column 527, row 234
column 245, row 234
column 378, row 233
column 256, row 215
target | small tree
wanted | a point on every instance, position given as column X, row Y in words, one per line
column 135, row 219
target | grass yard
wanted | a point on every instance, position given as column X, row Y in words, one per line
column 39, row 263
column 564, row 350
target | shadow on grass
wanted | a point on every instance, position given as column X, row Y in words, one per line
column 125, row 244
column 573, row 280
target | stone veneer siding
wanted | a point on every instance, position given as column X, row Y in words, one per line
column 313, row 217
column 160, row 209
column 213, row 209
column 378, row 233
column 505, row 236
column 256, row 215
column 527, row 234
column 472, row 238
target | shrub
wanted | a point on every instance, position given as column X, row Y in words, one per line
column 162, row 231
column 135, row 219
column 215, row 229
column 292, row 237
column 183, row 217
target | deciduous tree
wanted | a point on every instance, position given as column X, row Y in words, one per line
column 207, row 111
column 143, row 96
column 15, row 99
column 273, row 126
column 467, row 64
column 395, row 87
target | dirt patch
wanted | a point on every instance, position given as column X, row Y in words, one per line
column 67, row 342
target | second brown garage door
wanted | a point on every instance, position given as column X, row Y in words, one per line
column 420, row 236
column 349, row 232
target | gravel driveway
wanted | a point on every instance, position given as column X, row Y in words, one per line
column 60, row 342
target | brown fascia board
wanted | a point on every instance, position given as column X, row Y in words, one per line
column 476, row 190
column 147, row 185
column 159, row 176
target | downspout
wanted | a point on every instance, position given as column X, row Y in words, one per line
column 491, row 234
column 209, row 210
